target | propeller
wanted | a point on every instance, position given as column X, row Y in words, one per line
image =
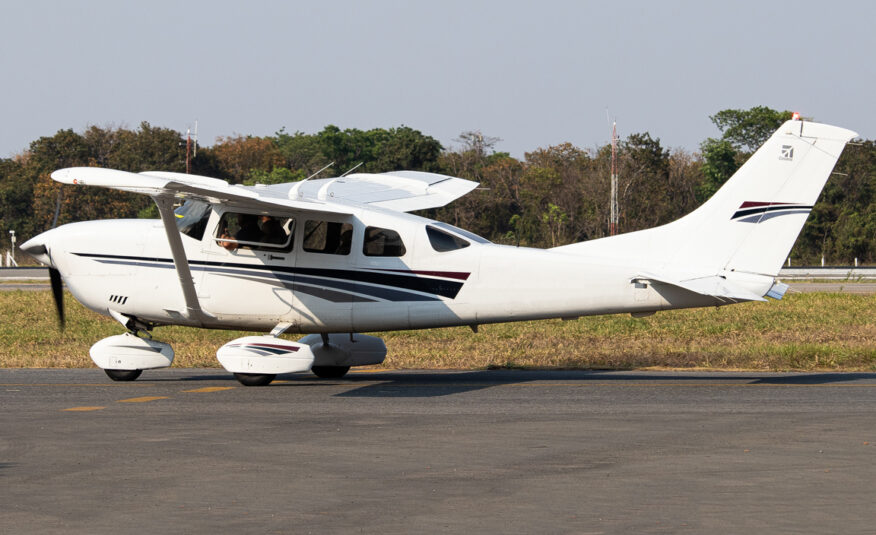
column 57, row 293
column 54, row 274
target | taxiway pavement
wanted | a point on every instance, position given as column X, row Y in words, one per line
column 192, row 451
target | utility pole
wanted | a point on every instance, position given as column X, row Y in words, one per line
column 613, row 215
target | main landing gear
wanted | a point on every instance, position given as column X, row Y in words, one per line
column 255, row 379
column 330, row 372
column 123, row 375
column 254, row 360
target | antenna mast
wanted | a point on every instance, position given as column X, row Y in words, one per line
column 191, row 147
column 613, row 216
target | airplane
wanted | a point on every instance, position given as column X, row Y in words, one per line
column 332, row 258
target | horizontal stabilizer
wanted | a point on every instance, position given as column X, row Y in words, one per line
column 712, row 286
column 778, row 290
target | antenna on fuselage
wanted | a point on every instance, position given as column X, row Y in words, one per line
column 318, row 172
column 351, row 170
column 295, row 187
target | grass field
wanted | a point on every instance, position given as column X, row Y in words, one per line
column 813, row 331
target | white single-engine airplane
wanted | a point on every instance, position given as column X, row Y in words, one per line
column 338, row 257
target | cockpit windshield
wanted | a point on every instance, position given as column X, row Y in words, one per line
column 191, row 218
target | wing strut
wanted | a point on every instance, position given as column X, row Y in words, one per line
column 180, row 262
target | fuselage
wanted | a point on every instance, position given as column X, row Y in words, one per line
column 373, row 271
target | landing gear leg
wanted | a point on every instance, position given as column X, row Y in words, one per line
column 330, row 372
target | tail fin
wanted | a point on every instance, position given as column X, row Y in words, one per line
column 751, row 223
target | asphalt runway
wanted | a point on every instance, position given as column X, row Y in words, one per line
column 192, row 451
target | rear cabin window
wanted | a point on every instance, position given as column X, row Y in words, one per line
column 444, row 241
column 382, row 242
column 328, row 237
column 254, row 231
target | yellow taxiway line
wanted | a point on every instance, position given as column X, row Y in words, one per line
column 143, row 399
column 211, row 389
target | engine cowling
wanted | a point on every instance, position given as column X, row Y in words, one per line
column 130, row 352
column 265, row 355
column 362, row 350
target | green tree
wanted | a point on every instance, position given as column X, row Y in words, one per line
column 749, row 129
column 719, row 164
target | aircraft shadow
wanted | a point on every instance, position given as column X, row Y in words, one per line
column 437, row 384
column 419, row 383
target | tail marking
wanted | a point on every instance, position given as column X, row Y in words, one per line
column 755, row 212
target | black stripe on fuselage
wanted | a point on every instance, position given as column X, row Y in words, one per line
column 341, row 278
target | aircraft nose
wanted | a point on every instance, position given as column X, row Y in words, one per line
column 37, row 247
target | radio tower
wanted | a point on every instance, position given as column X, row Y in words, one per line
column 613, row 216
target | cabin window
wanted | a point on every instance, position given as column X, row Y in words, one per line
column 444, row 241
column 192, row 217
column 382, row 242
column 328, row 237
column 254, row 231
column 462, row 232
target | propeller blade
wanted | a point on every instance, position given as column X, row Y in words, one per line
column 57, row 293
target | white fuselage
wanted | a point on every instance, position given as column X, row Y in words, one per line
column 126, row 266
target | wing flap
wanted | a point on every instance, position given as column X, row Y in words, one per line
column 404, row 191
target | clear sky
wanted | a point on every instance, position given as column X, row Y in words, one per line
column 531, row 73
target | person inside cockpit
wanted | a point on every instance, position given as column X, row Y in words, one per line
column 272, row 231
column 248, row 232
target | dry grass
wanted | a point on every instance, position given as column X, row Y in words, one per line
column 817, row 331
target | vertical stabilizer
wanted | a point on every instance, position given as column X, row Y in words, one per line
column 751, row 223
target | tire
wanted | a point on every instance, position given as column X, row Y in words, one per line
column 123, row 375
column 330, row 372
column 255, row 379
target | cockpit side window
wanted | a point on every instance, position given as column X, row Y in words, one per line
column 192, row 217
column 444, row 241
column 382, row 242
column 254, row 231
column 327, row 237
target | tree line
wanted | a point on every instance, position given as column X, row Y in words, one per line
column 553, row 196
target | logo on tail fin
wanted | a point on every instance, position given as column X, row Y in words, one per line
column 755, row 212
column 787, row 152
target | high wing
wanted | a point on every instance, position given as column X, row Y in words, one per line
column 178, row 185
column 404, row 191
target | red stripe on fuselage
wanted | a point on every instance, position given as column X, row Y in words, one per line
column 752, row 204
